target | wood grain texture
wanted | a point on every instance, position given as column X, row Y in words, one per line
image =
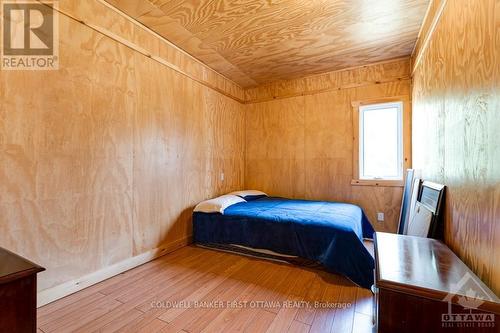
column 137, row 301
column 427, row 268
column 455, row 129
column 107, row 20
column 431, row 19
column 417, row 274
column 302, row 146
column 376, row 73
column 255, row 42
column 103, row 159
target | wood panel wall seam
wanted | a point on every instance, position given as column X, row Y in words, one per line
column 144, row 52
column 103, row 159
column 417, row 53
column 157, row 35
column 130, row 18
column 257, row 42
column 421, row 30
column 331, row 81
column 455, row 125
column 301, row 146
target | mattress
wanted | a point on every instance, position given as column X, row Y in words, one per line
column 329, row 233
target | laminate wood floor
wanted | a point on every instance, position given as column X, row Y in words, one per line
column 200, row 290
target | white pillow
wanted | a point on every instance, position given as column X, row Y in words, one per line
column 217, row 205
column 248, row 193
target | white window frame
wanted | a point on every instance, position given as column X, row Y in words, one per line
column 378, row 106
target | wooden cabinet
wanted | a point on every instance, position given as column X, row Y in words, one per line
column 17, row 293
column 422, row 286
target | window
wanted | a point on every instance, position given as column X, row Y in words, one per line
column 381, row 141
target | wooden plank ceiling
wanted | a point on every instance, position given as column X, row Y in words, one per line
column 258, row 41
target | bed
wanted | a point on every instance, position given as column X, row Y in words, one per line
column 329, row 233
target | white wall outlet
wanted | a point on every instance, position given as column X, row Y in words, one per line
column 222, row 176
column 380, row 217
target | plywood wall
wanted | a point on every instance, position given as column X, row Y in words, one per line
column 299, row 137
column 256, row 41
column 104, row 159
column 456, row 121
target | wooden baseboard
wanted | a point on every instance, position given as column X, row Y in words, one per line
column 52, row 294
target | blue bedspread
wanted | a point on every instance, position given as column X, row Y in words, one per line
column 328, row 232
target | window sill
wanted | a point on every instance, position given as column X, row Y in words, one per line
column 380, row 183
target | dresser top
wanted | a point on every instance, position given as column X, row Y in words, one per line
column 428, row 268
column 13, row 266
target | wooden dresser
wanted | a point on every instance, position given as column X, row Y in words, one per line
column 422, row 286
column 17, row 293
